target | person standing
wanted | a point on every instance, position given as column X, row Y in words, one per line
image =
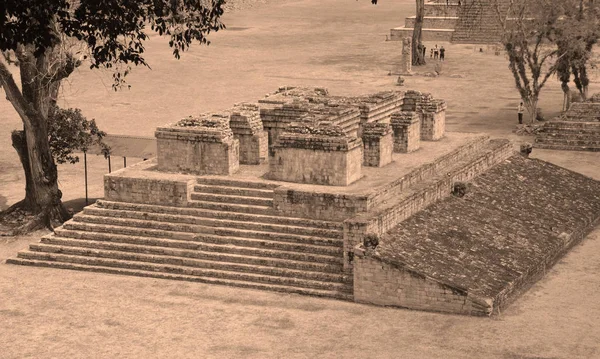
column 424, row 52
column 442, row 53
column 435, row 52
column 520, row 110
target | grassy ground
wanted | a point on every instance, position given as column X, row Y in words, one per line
column 336, row 44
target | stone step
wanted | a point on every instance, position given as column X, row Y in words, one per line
column 344, row 292
column 433, row 22
column 595, row 142
column 128, row 252
column 566, row 126
column 166, row 230
column 303, row 253
column 212, row 222
column 568, row 131
column 434, row 9
column 224, row 215
column 399, row 33
column 552, row 146
column 233, row 207
column 228, row 182
column 185, row 270
column 569, row 136
column 234, row 191
column 219, row 198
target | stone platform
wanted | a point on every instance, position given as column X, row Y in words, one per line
column 475, row 254
column 247, row 231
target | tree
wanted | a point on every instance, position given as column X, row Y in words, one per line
column 418, row 58
column 48, row 39
column 526, row 40
column 576, row 35
column 544, row 37
column 417, row 46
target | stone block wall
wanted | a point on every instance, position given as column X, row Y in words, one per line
column 247, row 127
column 314, row 205
column 378, row 144
column 381, row 283
column 426, row 171
column 151, row 187
column 305, row 154
column 203, row 145
column 407, row 131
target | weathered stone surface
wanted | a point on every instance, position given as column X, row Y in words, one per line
column 247, row 127
column 378, row 144
column 578, row 129
column 200, row 145
column 492, row 243
column 319, row 155
column 407, row 131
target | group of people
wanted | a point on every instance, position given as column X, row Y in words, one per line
column 435, row 53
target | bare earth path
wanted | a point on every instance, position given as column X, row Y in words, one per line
column 337, row 44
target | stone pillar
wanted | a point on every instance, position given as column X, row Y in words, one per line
column 247, row 127
column 406, row 65
column 378, row 144
column 202, row 145
column 407, row 131
column 433, row 118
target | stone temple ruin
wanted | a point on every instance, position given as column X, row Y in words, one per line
column 358, row 198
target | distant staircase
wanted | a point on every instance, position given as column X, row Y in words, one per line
column 569, row 135
column 229, row 234
column 473, row 22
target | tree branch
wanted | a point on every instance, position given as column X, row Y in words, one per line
column 14, row 95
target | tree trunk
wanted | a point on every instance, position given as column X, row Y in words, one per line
column 42, row 196
column 417, row 47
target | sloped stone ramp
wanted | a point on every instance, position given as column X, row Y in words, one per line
column 474, row 255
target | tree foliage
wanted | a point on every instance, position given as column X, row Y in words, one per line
column 113, row 31
column 70, row 132
column 541, row 38
column 48, row 40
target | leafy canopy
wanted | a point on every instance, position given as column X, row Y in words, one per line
column 113, row 30
column 70, row 131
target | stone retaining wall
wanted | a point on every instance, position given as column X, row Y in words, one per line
column 381, row 283
column 140, row 184
column 412, row 201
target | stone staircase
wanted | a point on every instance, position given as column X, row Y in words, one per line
column 478, row 22
column 569, row 135
column 439, row 21
column 229, row 234
column 473, row 22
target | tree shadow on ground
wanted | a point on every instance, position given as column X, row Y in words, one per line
column 76, row 205
column 3, row 204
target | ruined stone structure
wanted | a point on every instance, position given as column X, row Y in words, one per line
column 378, row 144
column 577, row 129
column 247, row 127
column 472, row 22
column 308, row 154
column 407, row 131
column 202, row 145
column 299, row 224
